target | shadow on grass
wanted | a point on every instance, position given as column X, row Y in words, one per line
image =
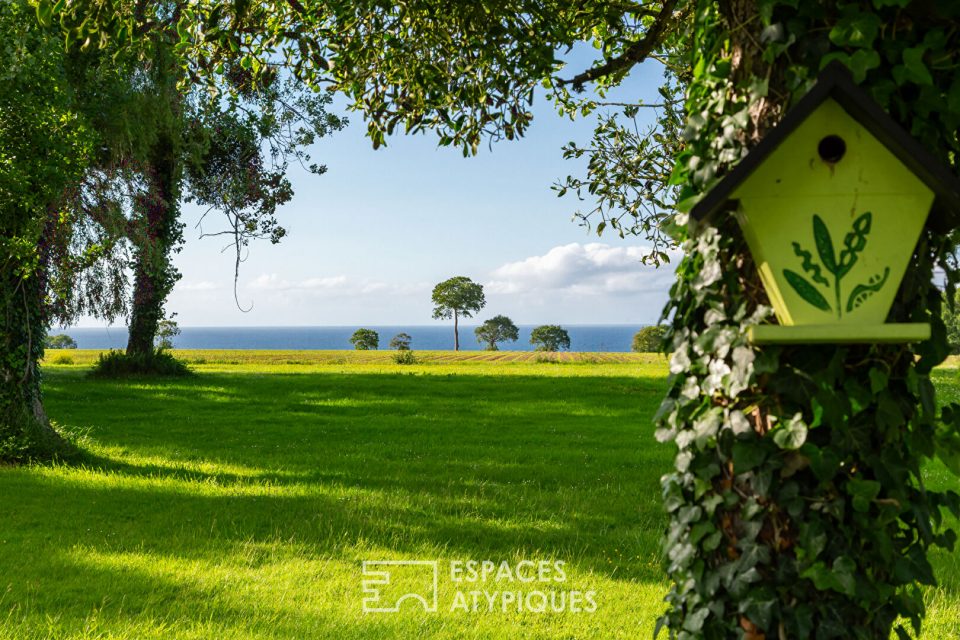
column 467, row 466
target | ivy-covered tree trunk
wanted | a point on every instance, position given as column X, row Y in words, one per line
column 797, row 506
column 25, row 432
column 154, row 273
column 159, row 232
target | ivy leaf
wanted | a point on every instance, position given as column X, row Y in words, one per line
column 947, row 438
column 843, row 569
column 694, row 621
column 913, row 68
column 856, row 30
column 748, row 455
column 792, row 434
column 863, row 493
column 878, row 380
column 760, row 610
column 861, row 61
column 44, row 13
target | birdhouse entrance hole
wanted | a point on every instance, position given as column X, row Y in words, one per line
column 831, row 149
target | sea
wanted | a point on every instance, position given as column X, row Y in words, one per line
column 597, row 338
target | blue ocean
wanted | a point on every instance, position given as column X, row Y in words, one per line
column 427, row 338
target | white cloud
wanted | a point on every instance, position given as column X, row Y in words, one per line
column 203, row 285
column 583, row 269
column 340, row 285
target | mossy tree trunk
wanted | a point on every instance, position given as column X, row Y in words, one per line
column 25, row 432
column 154, row 273
column 159, row 233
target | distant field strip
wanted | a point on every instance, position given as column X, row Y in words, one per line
column 294, row 357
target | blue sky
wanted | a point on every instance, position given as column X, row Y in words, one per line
column 369, row 239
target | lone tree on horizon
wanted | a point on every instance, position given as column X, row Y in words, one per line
column 458, row 296
column 365, row 340
column 550, row 337
column 401, row 342
column 496, row 329
column 60, row 341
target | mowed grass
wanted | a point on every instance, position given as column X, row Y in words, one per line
column 242, row 501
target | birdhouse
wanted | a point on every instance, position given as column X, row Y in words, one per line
column 832, row 203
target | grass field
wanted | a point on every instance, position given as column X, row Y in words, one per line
column 241, row 502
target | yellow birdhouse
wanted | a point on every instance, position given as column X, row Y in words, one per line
column 831, row 203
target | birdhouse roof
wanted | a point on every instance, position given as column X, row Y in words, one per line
column 836, row 82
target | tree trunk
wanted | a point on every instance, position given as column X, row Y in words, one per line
column 154, row 273
column 456, row 332
column 796, row 507
column 25, row 432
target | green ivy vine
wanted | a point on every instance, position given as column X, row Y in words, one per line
column 797, row 507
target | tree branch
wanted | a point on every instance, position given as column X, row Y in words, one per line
column 296, row 6
column 634, row 54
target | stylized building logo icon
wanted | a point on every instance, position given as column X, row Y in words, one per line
column 388, row 583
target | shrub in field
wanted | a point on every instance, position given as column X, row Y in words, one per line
column 60, row 341
column 649, row 339
column 401, row 342
column 543, row 358
column 405, row 356
column 365, row 340
column 117, row 364
column 62, row 359
column 550, row 337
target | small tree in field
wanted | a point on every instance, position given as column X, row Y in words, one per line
column 458, row 296
column 60, row 341
column 496, row 329
column 401, row 342
column 550, row 337
column 365, row 340
column 649, row 339
column 167, row 330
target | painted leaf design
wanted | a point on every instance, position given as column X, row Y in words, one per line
column 809, row 265
column 821, row 235
column 861, row 292
column 854, row 243
column 806, row 290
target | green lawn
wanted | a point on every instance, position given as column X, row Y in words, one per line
column 241, row 502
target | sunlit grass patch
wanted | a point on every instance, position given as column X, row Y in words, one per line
column 242, row 502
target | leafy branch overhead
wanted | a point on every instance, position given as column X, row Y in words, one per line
column 471, row 77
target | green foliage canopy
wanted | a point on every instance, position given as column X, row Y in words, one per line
column 365, row 340
column 496, row 329
column 60, row 341
column 550, row 337
column 470, row 76
column 401, row 342
column 649, row 339
column 458, row 296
